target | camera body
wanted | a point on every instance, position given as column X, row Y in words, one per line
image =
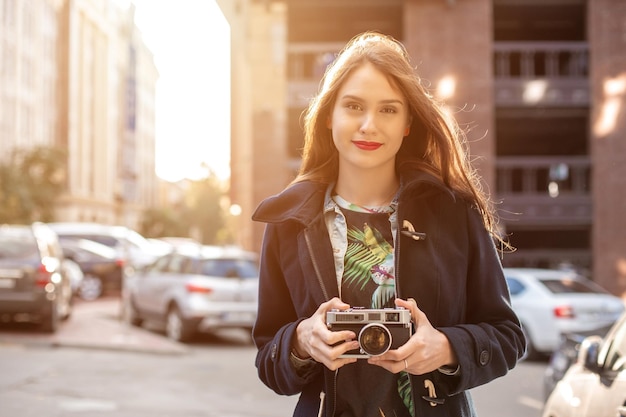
column 377, row 330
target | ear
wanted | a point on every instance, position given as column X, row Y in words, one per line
column 408, row 127
column 329, row 123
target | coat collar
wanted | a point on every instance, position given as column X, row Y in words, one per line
column 303, row 201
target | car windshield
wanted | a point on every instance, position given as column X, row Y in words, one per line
column 232, row 268
column 16, row 242
column 89, row 246
column 569, row 286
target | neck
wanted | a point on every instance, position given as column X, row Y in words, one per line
column 367, row 190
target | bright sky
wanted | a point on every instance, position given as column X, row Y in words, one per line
column 190, row 40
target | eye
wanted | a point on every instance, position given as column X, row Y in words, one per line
column 389, row 110
column 353, row 106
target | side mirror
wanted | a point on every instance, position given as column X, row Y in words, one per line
column 589, row 354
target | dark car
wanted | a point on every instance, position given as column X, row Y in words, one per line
column 33, row 285
column 565, row 355
column 103, row 269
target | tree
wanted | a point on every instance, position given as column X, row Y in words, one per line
column 201, row 214
column 206, row 214
column 31, row 182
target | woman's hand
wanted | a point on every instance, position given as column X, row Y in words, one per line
column 314, row 340
column 427, row 349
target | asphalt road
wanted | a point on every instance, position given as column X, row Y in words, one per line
column 96, row 366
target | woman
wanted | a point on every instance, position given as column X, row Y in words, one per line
column 386, row 212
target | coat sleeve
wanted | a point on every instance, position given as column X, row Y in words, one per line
column 490, row 340
column 276, row 324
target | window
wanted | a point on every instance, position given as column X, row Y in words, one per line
column 230, row 268
column 562, row 286
column 616, row 355
column 515, row 287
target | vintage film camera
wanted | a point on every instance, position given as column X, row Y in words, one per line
column 378, row 330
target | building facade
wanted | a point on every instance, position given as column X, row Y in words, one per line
column 77, row 75
column 539, row 86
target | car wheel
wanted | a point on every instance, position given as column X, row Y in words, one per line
column 50, row 319
column 176, row 327
column 130, row 313
column 66, row 301
column 90, row 288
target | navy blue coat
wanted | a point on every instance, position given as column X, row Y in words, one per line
column 454, row 274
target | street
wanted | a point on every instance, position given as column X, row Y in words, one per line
column 143, row 374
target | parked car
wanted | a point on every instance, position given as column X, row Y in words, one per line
column 102, row 267
column 33, row 285
column 552, row 302
column 131, row 246
column 595, row 385
column 564, row 356
column 195, row 289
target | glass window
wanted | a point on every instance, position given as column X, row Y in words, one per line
column 178, row 265
column 563, row 286
column 161, row 264
column 17, row 242
column 515, row 287
column 616, row 355
column 230, row 268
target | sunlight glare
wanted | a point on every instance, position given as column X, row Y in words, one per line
column 190, row 40
column 614, row 91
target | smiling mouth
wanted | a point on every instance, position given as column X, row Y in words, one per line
column 367, row 146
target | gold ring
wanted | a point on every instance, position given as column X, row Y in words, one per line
column 406, row 364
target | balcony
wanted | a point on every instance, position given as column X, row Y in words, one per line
column 541, row 73
column 526, row 73
column 544, row 191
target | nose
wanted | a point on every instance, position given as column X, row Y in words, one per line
column 368, row 123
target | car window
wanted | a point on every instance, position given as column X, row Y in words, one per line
column 616, row 354
column 88, row 247
column 178, row 264
column 569, row 286
column 515, row 286
column 231, row 268
column 13, row 245
column 102, row 239
column 247, row 269
column 160, row 265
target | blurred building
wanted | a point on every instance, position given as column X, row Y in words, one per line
column 540, row 84
column 76, row 74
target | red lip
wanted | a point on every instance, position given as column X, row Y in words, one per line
column 367, row 146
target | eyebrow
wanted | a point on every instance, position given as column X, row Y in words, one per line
column 389, row 101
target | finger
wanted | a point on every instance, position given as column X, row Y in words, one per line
column 410, row 304
column 333, row 303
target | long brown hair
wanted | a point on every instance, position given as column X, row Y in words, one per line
column 435, row 143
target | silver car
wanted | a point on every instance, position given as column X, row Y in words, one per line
column 195, row 289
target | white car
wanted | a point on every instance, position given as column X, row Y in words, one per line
column 195, row 289
column 595, row 386
column 132, row 247
column 552, row 302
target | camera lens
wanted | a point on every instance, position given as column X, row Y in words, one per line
column 374, row 339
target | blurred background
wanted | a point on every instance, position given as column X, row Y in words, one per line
column 178, row 118
column 137, row 137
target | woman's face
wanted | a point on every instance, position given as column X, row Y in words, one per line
column 368, row 121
